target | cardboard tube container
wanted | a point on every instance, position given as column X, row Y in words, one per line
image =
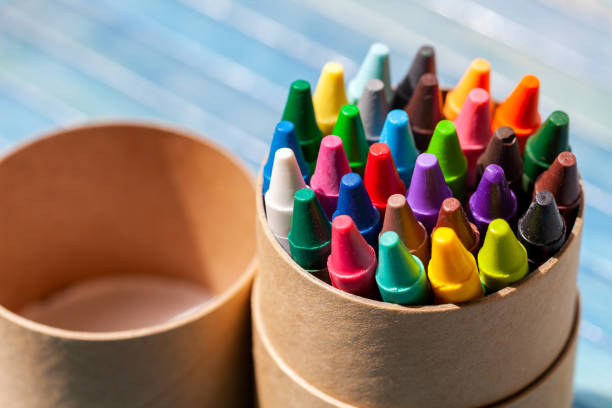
column 123, row 198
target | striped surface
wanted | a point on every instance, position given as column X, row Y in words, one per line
column 223, row 68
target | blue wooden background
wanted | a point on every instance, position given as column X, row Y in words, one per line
column 222, row 68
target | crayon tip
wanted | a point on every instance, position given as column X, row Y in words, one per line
column 300, row 111
column 329, row 96
column 520, row 110
column 445, row 145
column 400, row 275
column 310, row 234
column 492, row 199
column 350, row 129
column 381, row 179
column 452, row 216
column 425, row 110
column 424, row 62
column 397, row 134
column 352, row 262
column 284, row 136
column 373, row 108
column 503, row 150
column 427, row 190
column 452, row 270
column 332, row 164
column 375, row 65
column 476, row 76
column 502, row 260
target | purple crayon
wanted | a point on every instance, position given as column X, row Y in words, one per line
column 427, row 190
column 492, row 199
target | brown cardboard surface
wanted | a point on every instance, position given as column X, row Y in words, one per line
column 111, row 199
column 373, row 354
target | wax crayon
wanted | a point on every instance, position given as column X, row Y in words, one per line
column 452, row 271
column 520, row 110
column 476, row 76
column 427, row 190
column 562, row 180
column 350, row 129
column 300, row 112
column 397, row 134
column 352, row 263
column 542, row 229
column 332, row 164
column 424, row 62
column 310, row 234
column 329, row 96
column 375, row 65
column 400, row 219
column 284, row 136
column 400, row 276
column 503, row 150
column 381, row 179
column 544, row 146
column 373, row 109
column 492, row 199
column 474, row 129
column 285, row 181
column 502, row 260
column 354, row 201
column 425, row 110
column 445, row 146
column 452, row 216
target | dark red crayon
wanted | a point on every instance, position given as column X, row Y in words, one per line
column 452, row 216
column 425, row 110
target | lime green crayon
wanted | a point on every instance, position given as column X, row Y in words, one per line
column 445, row 146
column 350, row 129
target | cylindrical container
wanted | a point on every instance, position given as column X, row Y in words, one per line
column 120, row 198
column 373, row 354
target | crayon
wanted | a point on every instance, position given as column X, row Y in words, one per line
column 502, row 260
column 425, row 110
column 300, row 112
column 284, row 136
column 476, row 76
column 452, row 216
column 375, row 65
column 350, row 129
column 445, row 146
column 332, row 164
column 544, row 146
column 452, row 271
column 424, row 62
column 400, row 219
column 427, row 190
column 285, row 181
column 397, row 134
column 310, row 234
column 373, row 108
column 542, row 229
column 354, row 201
column 520, row 110
column 562, row 180
column 352, row 262
column 381, row 179
column 400, row 276
column 492, row 199
column 474, row 129
column 503, row 150
column 329, row 96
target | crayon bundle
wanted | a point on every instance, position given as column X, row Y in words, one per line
column 412, row 196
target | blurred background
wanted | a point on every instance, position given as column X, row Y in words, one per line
column 223, row 68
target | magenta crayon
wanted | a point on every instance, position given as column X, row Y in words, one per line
column 492, row 199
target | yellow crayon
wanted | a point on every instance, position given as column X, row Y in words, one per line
column 329, row 96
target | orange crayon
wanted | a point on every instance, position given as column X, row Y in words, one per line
column 477, row 76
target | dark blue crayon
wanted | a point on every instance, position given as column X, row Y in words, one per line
column 284, row 136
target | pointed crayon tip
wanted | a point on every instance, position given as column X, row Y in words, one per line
column 400, row 275
column 284, row 136
column 352, row 263
column 502, row 260
column 332, row 164
column 397, row 134
column 373, row 108
column 492, row 199
column 476, row 76
column 350, row 129
column 329, row 96
column 374, row 65
column 381, row 179
column 425, row 110
column 452, row 216
column 452, row 270
column 445, row 146
column 424, row 62
column 503, row 150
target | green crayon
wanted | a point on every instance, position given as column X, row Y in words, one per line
column 445, row 146
column 350, row 129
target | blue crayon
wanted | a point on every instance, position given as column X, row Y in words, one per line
column 397, row 134
column 354, row 201
column 284, row 136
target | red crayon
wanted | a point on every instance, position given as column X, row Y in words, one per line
column 381, row 178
